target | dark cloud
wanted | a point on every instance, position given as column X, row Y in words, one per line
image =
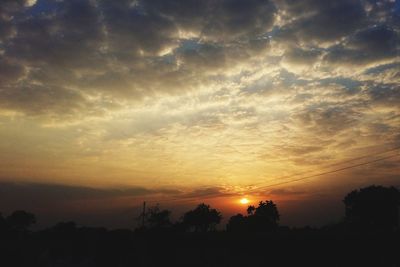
column 383, row 68
column 222, row 20
column 209, row 57
column 20, row 194
column 299, row 56
column 351, row 86
column 208, row 192
column 328, row 119
column 8, row 9
column 133, row 32
column 64, row 57
column 386, row 73
column 237, row 18
column 68, row 36
column 381, row 10
column 28, row 194
column 10, row 71
column 39, row 99
column 52, row 48
column 285, row 192
column 366, row 46
column 384, row 94
column 115, row 47
column 323, row 20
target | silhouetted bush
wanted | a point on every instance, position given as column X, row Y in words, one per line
column 201, row 219
column 157, row 219
column 237, row 223
column 264, row 218
column 20, row 220
column 373, row 207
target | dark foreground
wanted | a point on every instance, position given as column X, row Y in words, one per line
column 71, row 246
column 369, row 235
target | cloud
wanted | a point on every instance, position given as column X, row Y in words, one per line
column 285, row 192
column 322, row 21
column 129, row 50
column 209, row 192
column 221, row 89
column 299, row 56
column 10, row 71
column 8, row 9
column 222, row 20
column 120, row 49
column 366, row 46
column 65, row 192
column 325, row 119
column 24, row 194
column 40, row 195
column 52, row 201
column 34, row 99
column 384, row 94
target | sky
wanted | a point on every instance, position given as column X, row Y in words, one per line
column 106, row 104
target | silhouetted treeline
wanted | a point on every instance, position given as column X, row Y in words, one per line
column 201, row 219
column 264, row 218
column 368, row 236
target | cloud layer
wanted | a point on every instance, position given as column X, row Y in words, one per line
column 211, row 94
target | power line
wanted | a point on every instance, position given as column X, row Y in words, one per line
column 338, row 163
column 305, row 177
column 363, row 157
column 324, row 173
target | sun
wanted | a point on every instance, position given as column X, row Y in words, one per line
column 244, row 201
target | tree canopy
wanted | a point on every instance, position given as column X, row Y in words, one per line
column 202, row 218
column 21, row 220
column 157, row 218
column 263, row 218
column 373, row 206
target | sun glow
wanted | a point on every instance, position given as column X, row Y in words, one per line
column 244, row 201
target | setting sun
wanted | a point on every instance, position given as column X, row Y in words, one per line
column 244, row 201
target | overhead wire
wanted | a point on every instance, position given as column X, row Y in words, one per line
column 258, row 188
column 335, row 164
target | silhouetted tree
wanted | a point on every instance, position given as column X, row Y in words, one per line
column 268, row 211
column 2, row 222
column 237, row 223
column 373, row 207
column 250, row 210
column 263, row 218
column 202, row 218
column 20, row 220
column 158, row 219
